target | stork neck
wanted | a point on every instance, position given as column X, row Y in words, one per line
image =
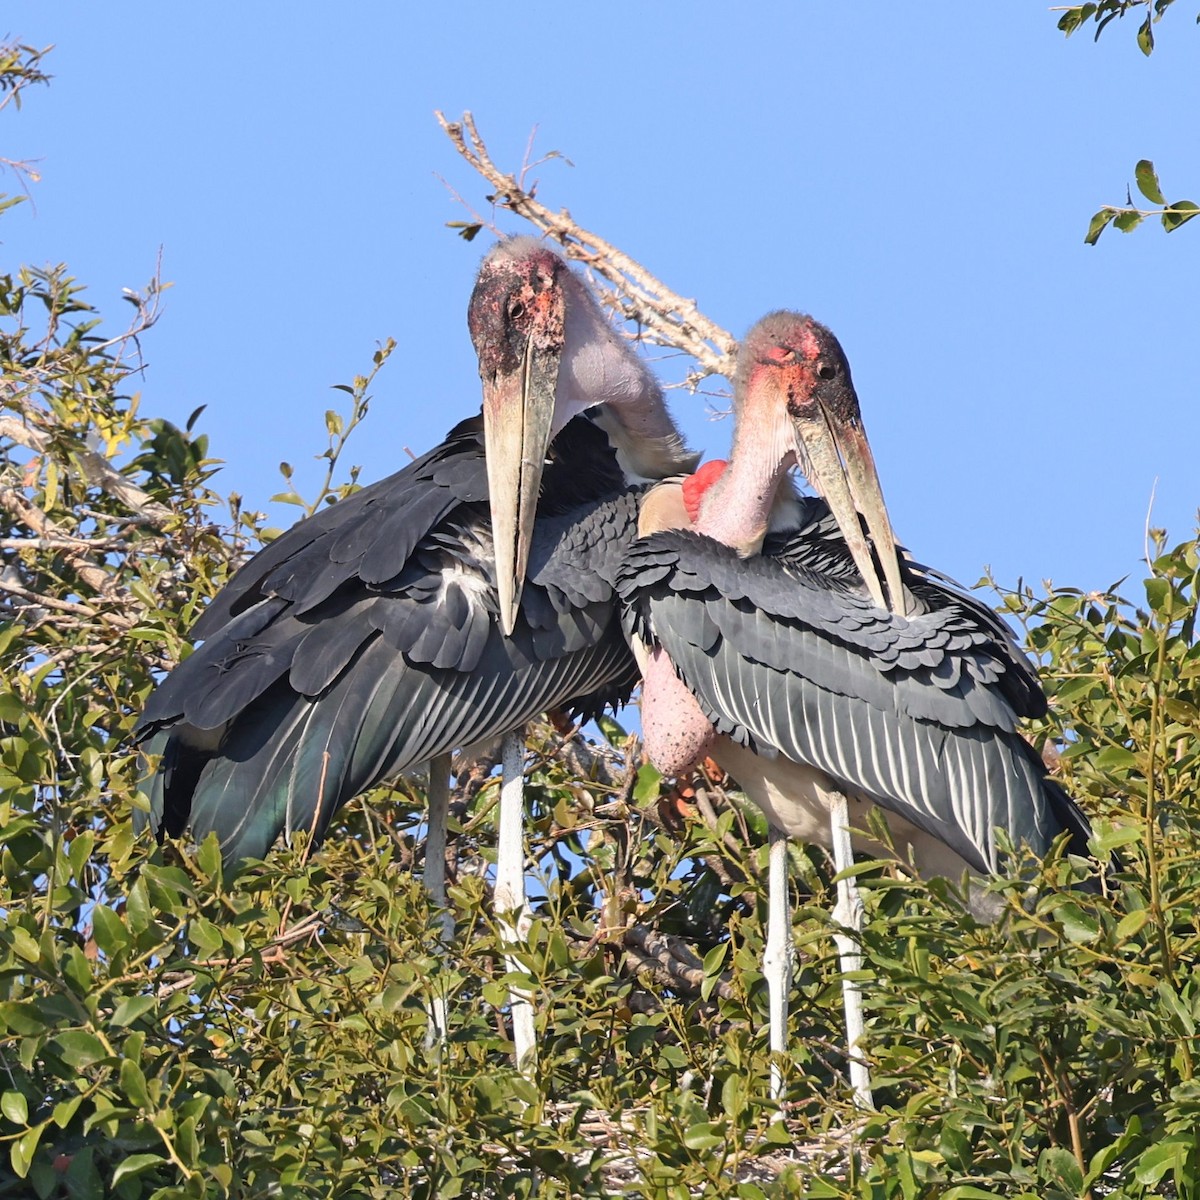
column 737, row 509
column 600, row 371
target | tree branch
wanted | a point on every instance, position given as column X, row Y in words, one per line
column 95, row 468
column 670, row 319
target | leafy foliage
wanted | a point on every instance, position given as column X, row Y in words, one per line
column 1103, row 12
column 1129, row 218
column 166, row 1031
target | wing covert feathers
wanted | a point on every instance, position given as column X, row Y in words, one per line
column 364, row 641
column 787, row 656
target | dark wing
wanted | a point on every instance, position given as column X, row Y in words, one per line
column 918, row 714
column 818, row 548
column 369, row 536
column 368, row 647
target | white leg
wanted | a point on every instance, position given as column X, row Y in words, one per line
column 438, row 795
column 849, row 914
column 777, row 955
column 510, row 890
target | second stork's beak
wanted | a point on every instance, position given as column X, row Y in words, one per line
column 843, row 470
column 518, row 418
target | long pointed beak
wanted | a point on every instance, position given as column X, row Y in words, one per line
column 518, row 416
column 845, row 475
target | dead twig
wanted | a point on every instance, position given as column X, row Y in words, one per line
column 667, row 318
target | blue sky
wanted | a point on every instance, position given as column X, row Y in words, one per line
column 919, row 178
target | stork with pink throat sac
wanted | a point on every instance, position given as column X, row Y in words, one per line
column 822, row 668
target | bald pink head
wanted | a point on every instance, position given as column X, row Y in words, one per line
column 789, row 360
column 517, row 301
column 546, row 354
column 794, row 401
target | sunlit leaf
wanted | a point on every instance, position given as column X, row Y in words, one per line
column 1099, row 223
column 1178, row 214
column 1145, row 37
column 1147, row 181
column 1127, row 220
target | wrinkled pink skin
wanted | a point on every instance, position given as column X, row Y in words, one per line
column 677, row 735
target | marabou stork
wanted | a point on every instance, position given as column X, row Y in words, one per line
column 769, row 648
column 379, row 634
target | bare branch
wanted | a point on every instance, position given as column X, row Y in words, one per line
column 668, row 318
column 96, row 469
column 63, row 542
column 670, row 959
column 40, row 601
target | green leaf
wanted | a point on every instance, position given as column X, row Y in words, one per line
column 1145, row 38
column 1131, row 924
column 704, row 1135
column 80, row 1048
column 22, row 1150
column 1147, row 182
column 1105, row 1157
column 205, row 936
column 137, row 907
column 208, row 857
column 135, row 1164
column 64, row 1110
column 734, row 1095
column 22, row 1017
column 133, row 1083
column 646, row 786
column 613, row 733
column 15, row 1107
column 1059, row 1164
column 1158, row 1160
column 110, row 932
column 1158, row 594
column 467, row 230
column 1074, row 17
column 714, row 960
column 1079, row 927
column 1099, row 224
column 1116, row 758
column 131, row 1008
column 25, row 945
column 1127, row 220
column 1178, row 214
column 1180, row 1017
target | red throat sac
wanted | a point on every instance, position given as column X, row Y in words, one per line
column 697, row 484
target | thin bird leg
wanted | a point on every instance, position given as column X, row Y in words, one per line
column 511, row 907
column 777, row 956
column 848, row 914
column 438, row 795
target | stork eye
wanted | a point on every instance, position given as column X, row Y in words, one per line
column 516, row 310
column 825, row 371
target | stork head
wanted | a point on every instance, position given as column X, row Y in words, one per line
column 793, row 383
column 517, row 319
column 546, row 354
